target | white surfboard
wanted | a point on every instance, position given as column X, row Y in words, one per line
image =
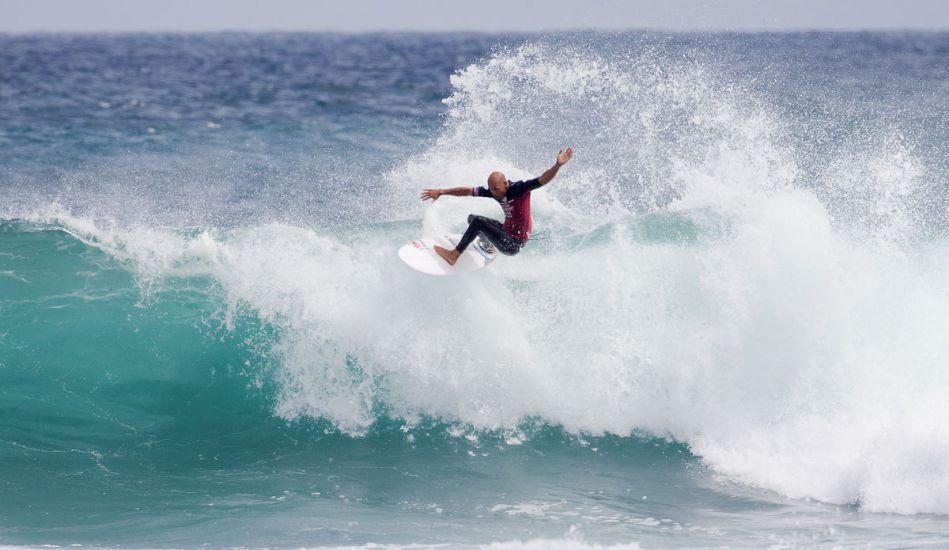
column 420, row 255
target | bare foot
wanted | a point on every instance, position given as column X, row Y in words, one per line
column 450, row 256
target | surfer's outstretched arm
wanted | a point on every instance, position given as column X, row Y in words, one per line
column 433, row 194
column 563, row 157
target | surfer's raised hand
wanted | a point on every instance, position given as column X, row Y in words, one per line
column 564, row 156
column 432, row 194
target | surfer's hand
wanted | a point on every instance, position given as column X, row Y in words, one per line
column 432, row 194
column 564, row 156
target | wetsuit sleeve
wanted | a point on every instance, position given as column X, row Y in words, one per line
column 518, row 188
column 480, row 192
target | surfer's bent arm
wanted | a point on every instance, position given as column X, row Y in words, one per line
column 433, row 194
column 563, row 157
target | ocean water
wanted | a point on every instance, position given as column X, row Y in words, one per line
column 731, row 328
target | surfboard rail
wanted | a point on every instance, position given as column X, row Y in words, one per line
column 420, row 255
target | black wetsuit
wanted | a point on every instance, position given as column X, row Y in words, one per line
column 513, row 234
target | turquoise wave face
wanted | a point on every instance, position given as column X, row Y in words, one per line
column 95, row 356
column 129, row 418
column 89, row 364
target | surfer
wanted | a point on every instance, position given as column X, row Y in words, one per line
column 515, row 200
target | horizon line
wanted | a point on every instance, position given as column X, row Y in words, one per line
column 802, row 30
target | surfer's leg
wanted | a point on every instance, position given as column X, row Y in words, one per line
column 493, row 231
column 476, row 225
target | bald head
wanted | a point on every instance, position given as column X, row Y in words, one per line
column 497, row 183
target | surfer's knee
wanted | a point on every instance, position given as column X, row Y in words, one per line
column 511, row 250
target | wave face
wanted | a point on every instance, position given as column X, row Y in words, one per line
column 745, row 260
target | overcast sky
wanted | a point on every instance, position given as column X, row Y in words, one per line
column 479, row 15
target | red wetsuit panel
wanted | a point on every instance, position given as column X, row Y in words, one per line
column 516, row 205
